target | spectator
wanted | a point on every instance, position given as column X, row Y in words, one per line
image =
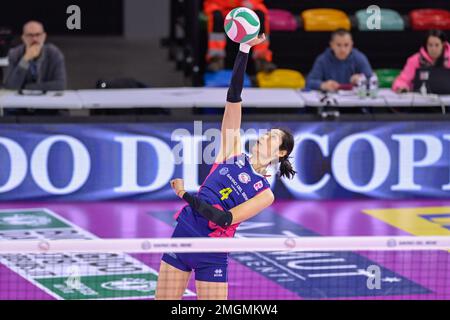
column 435, row 52
column 34, row 64
column 339, row 64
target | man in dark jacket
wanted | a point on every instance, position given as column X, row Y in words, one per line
column 339, row 64
column 34, row 64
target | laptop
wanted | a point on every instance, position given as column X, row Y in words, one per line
column 436, row 80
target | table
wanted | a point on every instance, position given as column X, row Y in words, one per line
column 50, row 100
column 187, row 98
column 212, row 98
column 385, row 98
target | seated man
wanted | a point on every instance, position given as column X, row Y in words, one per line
column 34, row 64
column 339, row 64
column 216, row 10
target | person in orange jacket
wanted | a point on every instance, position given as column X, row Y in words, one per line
column 216, row 10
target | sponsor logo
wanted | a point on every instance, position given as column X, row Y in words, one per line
column 391, row 243
column 240, row 164
column 130, row 284
column 244, row 178
column 223, row 171
column 146, row 245
column 25, row 220
column 218, row 273
column 258, row 185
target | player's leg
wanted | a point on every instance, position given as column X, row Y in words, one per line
column 211, row 290
column 172, row 282
column 211, row 279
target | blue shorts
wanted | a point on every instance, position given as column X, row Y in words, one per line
column 211, row 267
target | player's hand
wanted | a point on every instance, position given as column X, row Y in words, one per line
column 260, row 39
column 32, row 52
column 329, row 85
column 177, row 186
column 355, row 78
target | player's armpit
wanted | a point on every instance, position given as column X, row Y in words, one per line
column 253, row 206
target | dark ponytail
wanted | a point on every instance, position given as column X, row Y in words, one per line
column 286, row 169
column 287, row 144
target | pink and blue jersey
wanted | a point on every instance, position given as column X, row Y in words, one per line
column 228, row 184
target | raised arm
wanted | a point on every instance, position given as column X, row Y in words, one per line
column 231, row 122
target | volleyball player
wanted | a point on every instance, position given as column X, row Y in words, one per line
column 235, row 190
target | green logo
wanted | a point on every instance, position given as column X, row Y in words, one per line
column 20, row 220
column 119, row 286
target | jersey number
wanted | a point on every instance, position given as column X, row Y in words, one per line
column 225, row 193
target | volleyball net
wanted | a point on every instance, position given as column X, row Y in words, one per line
column 258, row 268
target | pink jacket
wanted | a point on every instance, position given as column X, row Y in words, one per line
column 406, row 77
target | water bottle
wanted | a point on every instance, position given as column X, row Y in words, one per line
column 361, row 87
column 373, row 86
column 423, row 89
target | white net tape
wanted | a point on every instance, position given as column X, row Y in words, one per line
column 186, row 245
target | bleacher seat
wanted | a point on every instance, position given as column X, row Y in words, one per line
column 325, row 20
column 282, row 20
column 386, row 77
column 281, row 78
column 426, row 19
column 390, row 20
column 222, row 79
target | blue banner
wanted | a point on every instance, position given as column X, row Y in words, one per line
column 386, row 160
